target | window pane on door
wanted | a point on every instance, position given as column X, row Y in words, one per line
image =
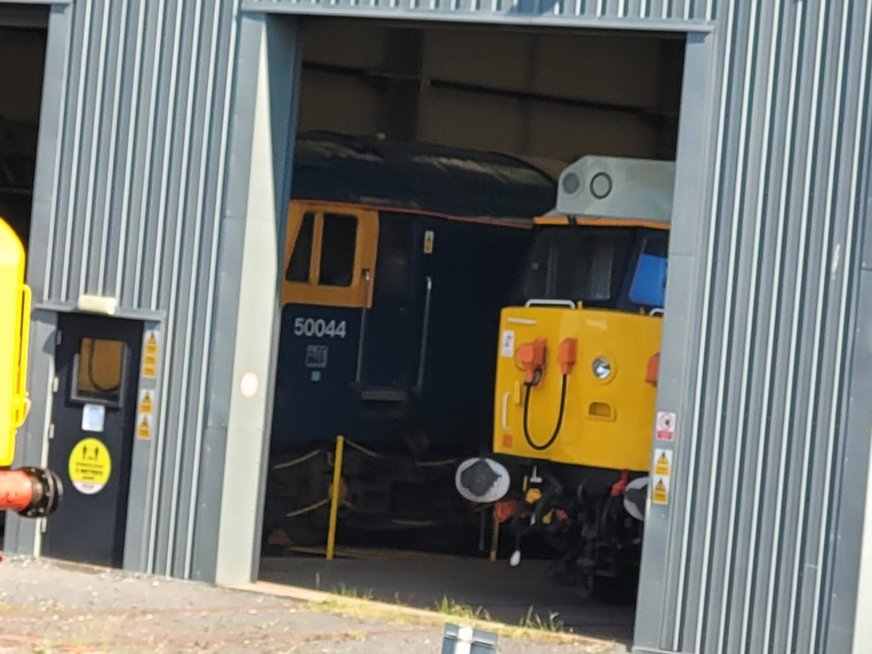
column 298, row 268
column 100, row 369
column 338, row 244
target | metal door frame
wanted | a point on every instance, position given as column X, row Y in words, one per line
column 693, row 194
column 131, row 385
column 694, row 188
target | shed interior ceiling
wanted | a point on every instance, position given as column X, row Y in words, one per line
column 22, row 58
column 542, row 94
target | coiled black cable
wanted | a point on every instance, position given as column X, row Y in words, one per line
column 553, row 438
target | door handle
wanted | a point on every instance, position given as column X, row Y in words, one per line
column 505, row 414
column 425, row 332
column 367, row 282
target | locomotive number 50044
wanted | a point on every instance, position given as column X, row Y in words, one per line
column 319, row 327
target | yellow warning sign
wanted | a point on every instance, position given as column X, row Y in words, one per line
column 144, row 428
column 90, row 466
column 660, row 494
column 146, row 405
column 663, row 462
column 149, row 355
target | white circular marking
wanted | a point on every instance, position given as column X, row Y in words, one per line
column 248, row 384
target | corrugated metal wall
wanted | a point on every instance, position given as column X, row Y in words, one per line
column 652, row 12
column 129, row 205
column 751, row 540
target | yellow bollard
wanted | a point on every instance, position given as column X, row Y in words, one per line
column 495, row 538
column 334, row 496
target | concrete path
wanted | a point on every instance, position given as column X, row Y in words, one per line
column 509, row 595
column 48, row 606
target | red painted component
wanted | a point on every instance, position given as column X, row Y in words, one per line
column 508, row 440
column 532, row 357
column 620, row 486
column 505, row 510
column 16, row 490
column 567, row 353
column 652, row 374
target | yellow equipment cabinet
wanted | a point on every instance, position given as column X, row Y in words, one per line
column 32, row 492
column 577, row 370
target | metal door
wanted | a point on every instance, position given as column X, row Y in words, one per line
column 97, row 363
column 391, row 345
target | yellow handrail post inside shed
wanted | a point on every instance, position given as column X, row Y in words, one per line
column 495, row 537
column 334, row 496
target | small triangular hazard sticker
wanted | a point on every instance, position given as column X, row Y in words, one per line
column 144, row 429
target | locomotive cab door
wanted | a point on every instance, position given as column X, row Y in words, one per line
column 389, row 348
column 327, row 294
column 352, row 323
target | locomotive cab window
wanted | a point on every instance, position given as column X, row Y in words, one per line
column 298, row 269
column 329, row 255
column 99, row 370
column 648, row 288
column 338, row 241
column 586, row 265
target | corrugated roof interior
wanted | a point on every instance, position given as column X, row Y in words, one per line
column 546, row 97
column 22, row 58
column 619, row 96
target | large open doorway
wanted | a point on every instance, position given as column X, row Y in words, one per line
column 22, row 61
column 540, row 98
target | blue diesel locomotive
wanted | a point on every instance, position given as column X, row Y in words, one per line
column 397, row 260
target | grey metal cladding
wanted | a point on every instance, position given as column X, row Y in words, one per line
column 133, row 196
column 642, row 14
column 753, row 535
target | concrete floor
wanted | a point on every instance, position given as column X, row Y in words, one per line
column 51, row 606
column 422, row 581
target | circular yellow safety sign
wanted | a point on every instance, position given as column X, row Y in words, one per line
column 90, row 466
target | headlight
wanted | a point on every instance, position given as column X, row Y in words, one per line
column 602, row 368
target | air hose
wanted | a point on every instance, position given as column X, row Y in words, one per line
column 550, row 441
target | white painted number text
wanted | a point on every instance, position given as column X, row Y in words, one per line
column 319, row 328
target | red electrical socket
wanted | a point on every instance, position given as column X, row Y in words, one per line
column 652, row 372
column 567, row 353
column 532, row 357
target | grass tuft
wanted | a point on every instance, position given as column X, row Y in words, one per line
column 354, row 593
column 448, row 606
column 552, row 623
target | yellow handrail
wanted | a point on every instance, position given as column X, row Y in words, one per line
column 334, row 496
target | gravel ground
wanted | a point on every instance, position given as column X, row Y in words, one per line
column 49, row 606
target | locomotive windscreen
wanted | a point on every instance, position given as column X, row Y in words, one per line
column 586, row 265
column 432, row 178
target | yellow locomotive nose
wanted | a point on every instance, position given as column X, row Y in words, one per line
column 14, row 323
column 575, row 403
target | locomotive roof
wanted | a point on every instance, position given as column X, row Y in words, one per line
column 618, row 188
column 451, row 181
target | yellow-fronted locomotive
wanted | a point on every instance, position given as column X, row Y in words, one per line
column 577, row 371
